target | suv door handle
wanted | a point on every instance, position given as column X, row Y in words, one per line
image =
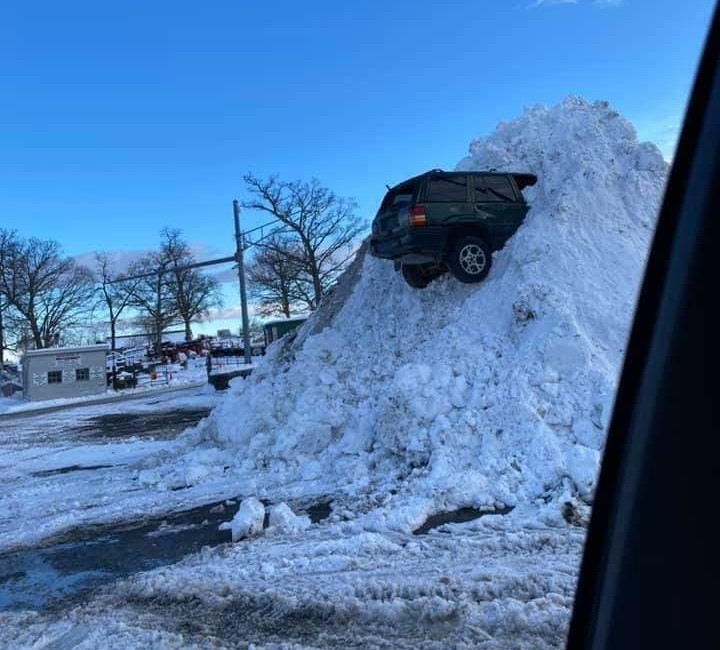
column 477, row 208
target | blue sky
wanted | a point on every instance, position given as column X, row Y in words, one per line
column 123, row 116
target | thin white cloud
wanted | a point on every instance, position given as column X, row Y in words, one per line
column 120, row 259
column 224, row 313
column 228, row 274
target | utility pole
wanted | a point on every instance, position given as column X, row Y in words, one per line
column 239, row 249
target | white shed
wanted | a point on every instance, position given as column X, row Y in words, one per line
column 52, row 373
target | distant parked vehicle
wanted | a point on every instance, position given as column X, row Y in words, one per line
column 449, row 220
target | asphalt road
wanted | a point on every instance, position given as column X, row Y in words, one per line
column 86, row 557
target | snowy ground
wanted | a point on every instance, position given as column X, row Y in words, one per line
column 397, row 409
column 79, row 465
column 499, row 582
column 346, row 581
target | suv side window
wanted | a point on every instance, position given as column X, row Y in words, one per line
column 493, row 189
column 447, row 189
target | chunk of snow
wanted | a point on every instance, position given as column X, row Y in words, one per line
column 248, row 520
column 283, row 520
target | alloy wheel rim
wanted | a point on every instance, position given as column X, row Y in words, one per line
column 472, row 259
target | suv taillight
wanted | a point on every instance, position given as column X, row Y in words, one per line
column 416, row 216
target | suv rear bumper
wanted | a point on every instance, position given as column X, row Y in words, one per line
column 412, row 246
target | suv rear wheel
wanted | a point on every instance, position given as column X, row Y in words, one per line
column 418, row 276
column 470, row 259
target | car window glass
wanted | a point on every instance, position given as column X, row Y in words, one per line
column 493, row 189
column 400, row 195
column 450, row 189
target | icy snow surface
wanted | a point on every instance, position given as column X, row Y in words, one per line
column 394, row 404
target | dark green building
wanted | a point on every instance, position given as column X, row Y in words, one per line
column 275, row 329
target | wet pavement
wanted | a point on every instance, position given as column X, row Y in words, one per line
column 159, row 426
column 59, row 576
column 65, row 572
column 459, row 516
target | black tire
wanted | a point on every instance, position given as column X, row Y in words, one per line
column 470, row 259
column 416, row 275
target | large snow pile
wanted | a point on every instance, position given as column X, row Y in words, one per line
column 485, row 395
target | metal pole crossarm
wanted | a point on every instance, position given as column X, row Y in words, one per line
column 249, row 243
column 265, row 225
column 165, row 269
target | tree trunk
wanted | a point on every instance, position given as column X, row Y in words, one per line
column 158, row 335
column 112, row 334
column 317, row 285
column 188, row 330
column 158, row 320
column 37, row 336
column 285, row 300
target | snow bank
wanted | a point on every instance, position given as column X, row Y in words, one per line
column 486, row 395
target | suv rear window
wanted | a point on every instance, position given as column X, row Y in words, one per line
column 493, row 188
column 447, row 189
column 401, row 195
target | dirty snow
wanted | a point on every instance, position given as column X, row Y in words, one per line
column 394, row 405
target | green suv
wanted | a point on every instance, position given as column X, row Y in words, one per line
column 454, row 220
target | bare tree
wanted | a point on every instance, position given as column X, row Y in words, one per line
column 322, row 224
column 48, row 292
column 194, row 293
column 152, row 295
column 116, row 293
column 275, row 277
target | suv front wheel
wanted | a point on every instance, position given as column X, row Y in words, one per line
column 470, row 259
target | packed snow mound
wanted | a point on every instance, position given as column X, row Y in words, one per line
column 486, row 395
column 248, row 520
